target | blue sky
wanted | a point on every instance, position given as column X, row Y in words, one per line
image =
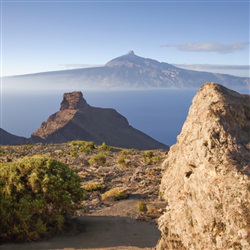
column 39, row 36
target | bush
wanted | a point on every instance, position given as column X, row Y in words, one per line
column 105, row 147
column 148, row 155
column 81, row 146
column 93, row 186
column 115, row 194
column 142, row 207
column 121, row 159
column 87, row 147
column 37, row 196
column 98, row 159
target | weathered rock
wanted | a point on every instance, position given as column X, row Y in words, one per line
column 207, row 175
column 73, row 101
column 76, row 120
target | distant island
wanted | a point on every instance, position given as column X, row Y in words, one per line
column 128, row 71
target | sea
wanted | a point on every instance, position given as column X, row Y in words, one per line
column 158, row 113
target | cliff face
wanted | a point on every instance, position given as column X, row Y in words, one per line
column 76, row 120
column 207, row 175
column 10, row 139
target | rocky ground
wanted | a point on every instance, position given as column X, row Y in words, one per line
column 131, row 176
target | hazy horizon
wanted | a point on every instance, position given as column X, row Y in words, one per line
column 235, row 70
column 41, row 36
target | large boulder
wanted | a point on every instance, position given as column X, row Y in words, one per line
column 207, row 175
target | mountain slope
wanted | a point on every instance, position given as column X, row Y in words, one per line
column 207, row 175
column 10, row 139
column 127, row 71
column 76, row 120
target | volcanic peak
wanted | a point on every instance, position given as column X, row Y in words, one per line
column 131, row 52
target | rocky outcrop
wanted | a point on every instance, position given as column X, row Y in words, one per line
column 207, row 175
column 76, row 120
column 10, row 139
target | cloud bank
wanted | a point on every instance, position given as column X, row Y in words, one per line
column 208, row 47
column 78, row 65
column 238, row 70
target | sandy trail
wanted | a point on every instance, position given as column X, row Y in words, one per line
column 100, row 232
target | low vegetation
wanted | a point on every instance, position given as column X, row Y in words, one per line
column 115, row 194
column 141, row 207
column 81, row 146
column 121, row 160
column 149, row 157
column 93, row 186
column 98, row 159
column 44, row 191
column 37, row 196
column 105, row 147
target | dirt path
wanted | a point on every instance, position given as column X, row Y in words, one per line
column 100, row 232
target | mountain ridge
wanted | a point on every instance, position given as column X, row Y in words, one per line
column 127, row 71
column 7, row 138
column 77, row 120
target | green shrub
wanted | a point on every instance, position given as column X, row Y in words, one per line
column 98, row 159
column 105, row 147
column 115, row 194
column 93, row 186
column 87, row 147
column 37, row 196
column 121, row 159
column 142, row 207
column 81, row 146
column 148, row 155
column 156, row 159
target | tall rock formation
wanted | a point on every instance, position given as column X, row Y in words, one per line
column 207, row 175
column 77, row 120
column 7, row 138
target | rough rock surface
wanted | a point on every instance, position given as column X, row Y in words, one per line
column 10, row 139
column 207, row 175
column 77, row 120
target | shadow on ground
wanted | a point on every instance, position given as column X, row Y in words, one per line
column 99, row 232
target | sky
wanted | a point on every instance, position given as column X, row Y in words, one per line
column 39, row 36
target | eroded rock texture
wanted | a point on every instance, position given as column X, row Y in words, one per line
column 207, row 175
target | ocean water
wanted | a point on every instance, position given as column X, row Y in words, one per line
column 158, row 113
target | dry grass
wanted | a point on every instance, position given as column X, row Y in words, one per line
column 115, row 194
column 93, row 186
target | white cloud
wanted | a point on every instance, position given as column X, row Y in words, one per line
column 75, row 65
column 209, row 47
column 238, row 70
